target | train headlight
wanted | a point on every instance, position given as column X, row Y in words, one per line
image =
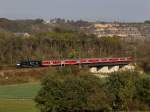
column 18, row 64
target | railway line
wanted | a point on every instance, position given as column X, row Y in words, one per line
column 30, row 65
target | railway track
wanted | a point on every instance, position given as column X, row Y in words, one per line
column 45, row 64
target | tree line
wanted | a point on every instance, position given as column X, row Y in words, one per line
column 55, row 45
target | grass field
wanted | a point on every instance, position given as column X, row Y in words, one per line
column 18, row 98
column 21, row 91
column 16, row 105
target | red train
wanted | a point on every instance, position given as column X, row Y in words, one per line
column 34, row 63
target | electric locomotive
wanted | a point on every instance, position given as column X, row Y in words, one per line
column 29, row 63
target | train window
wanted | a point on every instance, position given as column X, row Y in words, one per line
column 34, row 63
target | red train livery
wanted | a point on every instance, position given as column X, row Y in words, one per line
column 84, row 61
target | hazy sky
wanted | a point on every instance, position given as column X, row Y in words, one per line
column 109, row 10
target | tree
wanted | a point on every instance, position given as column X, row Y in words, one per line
column 129, row 91
column 143, row 89
column 121, row 87
column 71, row 93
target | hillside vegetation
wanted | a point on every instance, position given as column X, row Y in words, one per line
column 55, row 45
column 60, row 40
column 71, row 91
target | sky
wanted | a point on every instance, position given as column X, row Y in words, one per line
column 92, row 10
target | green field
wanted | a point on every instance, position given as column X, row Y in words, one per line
column 16, row 105
column 18, row 98
column 22, row 91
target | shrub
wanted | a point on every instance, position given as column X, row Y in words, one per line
column 71, row 93
column 129, row 91
column 143, row 89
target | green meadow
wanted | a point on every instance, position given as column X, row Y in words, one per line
column 17, row 105
column 18, row 98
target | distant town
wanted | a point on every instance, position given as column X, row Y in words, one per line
column 127, row 31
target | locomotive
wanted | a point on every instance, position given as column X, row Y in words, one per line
column 29, row 63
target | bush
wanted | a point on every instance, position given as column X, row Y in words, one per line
column 129, row 91
column 70, row 90
column 72, row 93
column 143, row 89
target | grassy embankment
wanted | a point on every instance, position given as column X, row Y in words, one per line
column 18, row 98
